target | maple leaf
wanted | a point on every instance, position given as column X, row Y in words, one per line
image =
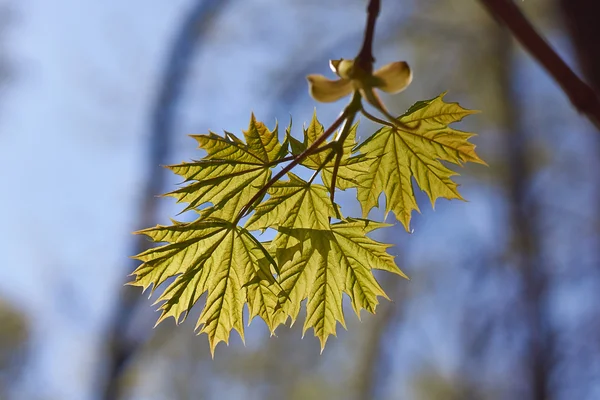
column 310, row 258
column 324, row 264
column 350, row 168
column 265, row 298
column 210, row 256
column 232, row 171
column 319, row 261
column 415, row 151
column 293, row 204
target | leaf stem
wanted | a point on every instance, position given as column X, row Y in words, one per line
column 280, row 160
column 330, row 145
column 375, row 119
column 339, row 150
column 354, row 107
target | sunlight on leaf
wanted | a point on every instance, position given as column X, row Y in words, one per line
column 402, row 154
column 205, row 256
column 327, row 263
column 310, row 258
column 231, row 173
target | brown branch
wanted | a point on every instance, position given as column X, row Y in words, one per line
column 581, row 95
column 580, row 17
column 365, row 58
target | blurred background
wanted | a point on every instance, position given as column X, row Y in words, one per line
column 503, row 301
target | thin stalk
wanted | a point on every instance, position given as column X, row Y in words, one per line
column 330, row 145
column 281, row 160
column 339, row 151
column 375, row 119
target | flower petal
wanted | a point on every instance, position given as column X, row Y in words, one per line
column 334, row 65
column 394, row 77
column 327, row 91
column 342, row 68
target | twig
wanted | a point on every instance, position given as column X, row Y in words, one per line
column 354, row 107
column 581, row 95
column 365, row 58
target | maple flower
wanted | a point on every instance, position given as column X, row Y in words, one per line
column 391, row 78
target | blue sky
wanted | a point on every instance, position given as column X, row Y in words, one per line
column 73, row 136
column 74, row 130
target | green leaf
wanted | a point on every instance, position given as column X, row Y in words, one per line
column 324, row 264
column 350, row 168
column 293, row 204
column 309, row 259
column 206, row 256
column 400, row 154
column 265, row 298
column 232, row 171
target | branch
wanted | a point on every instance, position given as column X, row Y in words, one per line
column 581, row 95
column 580, row 17
column 365, row 58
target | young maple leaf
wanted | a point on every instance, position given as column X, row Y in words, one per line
column 415, row 150
column 293, row 204
column 205, row 256
column 319, row 261
column 327, row 263
column 232, row 172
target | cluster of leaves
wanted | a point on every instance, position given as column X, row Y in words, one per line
column 311, row 258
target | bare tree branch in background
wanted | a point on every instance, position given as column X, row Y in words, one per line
column 581, row 95
column 581, row 18
column 121, row 347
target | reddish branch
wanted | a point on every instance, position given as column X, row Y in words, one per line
column 365, row 57
column 581, row 95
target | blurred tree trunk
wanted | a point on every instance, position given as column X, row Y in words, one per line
column 121, row 343
column 523, row 220
column 581, row 20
